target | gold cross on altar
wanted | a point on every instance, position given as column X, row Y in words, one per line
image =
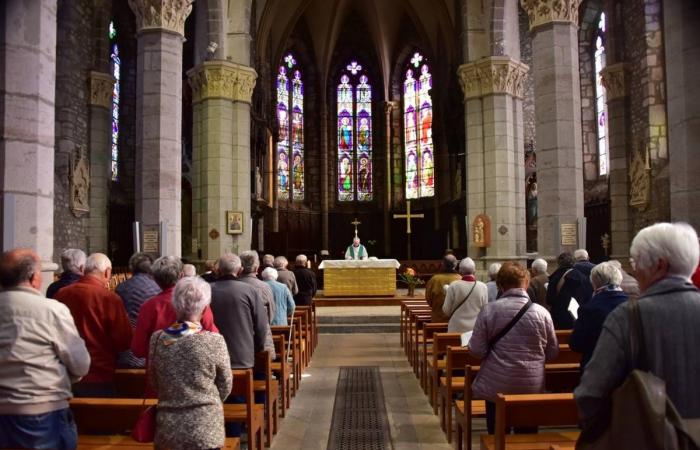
column 356, row 223
column 408, row 216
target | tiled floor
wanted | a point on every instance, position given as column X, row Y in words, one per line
column 413, row 424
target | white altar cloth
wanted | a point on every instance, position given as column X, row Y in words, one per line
column 359, row 263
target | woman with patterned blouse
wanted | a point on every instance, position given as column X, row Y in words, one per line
column 191, row 371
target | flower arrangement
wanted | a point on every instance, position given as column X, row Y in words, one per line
column 411, row 279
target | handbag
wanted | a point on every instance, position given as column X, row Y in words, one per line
column 145, row 427
column 463, row 300
column 511, row 324
column 640, row 416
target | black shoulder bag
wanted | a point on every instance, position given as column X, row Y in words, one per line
column 463, row 300
column 511, row 324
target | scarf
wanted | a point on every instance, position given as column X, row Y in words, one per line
column 469, row 277
column 360, row 253
column 179, row 330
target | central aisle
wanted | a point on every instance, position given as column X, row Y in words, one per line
column 412, row 422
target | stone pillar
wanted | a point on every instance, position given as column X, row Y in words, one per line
column 554, row 28
column 100, row 104
column 681, row 19
column 614, row 80
column 389, row 107
column 493, row 89
column 325, row 200
column 221, row 95
column 160, row 26
column 27, row 94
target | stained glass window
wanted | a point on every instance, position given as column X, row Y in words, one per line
column 290, row 139
column 354, row 135
column 418, row 129
column 116, row 72
column 600, row 99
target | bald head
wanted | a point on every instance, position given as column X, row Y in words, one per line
column 20, row 267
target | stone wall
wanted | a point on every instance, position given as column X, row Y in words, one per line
column 528, row 85
column 74, row 51
column 643, row 49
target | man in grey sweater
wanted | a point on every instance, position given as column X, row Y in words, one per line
column 665, row 256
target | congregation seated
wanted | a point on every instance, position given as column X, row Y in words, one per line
column 190, row 370
column 435, row 291
column 134, row 292
column 464, row 299
column 284, row 302
column 101, row 320
column 491, row 284
column 607, row 295
column 41, row 354
column 250, row 263
column 73, row 265
column 564, row 284
column 306, row 282
column 157, row 312
column 514, row 362
column 537, row 290
column 285, row 275
column 665, row 256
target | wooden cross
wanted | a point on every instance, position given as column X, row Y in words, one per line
column 408, row 216
column 356, row 223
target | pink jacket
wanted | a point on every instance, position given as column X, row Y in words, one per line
column 516, row 363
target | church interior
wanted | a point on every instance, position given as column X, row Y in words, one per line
column 492, row 129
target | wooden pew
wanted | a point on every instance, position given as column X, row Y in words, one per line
column 417, row 341
column 529, row 410
column 270, row 386
column 282, row 330
column 282, row 370
column 426, row 350
column 121, row 442
column 566, row 356
column 437, row 363
column 130, row 383
column 411, row 314
column 309, row 329
column 403, row 318
column 456, row 359
column 563, row 336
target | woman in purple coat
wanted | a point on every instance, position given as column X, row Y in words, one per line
column 514, row 337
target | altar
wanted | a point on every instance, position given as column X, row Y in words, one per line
column 359, row 278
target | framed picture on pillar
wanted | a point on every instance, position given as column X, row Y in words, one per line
column 234, row 222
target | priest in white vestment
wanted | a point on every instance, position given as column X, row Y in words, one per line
column 356, row 250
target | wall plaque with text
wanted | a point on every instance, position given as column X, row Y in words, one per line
column 569, row 234
column 151, row 239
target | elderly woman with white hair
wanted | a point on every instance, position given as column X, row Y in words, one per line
column 464, row 299
column 284, row 302
column 191, row 371
column 665, row 256
column 491, row 284
column 607, row 295
column 537, row 290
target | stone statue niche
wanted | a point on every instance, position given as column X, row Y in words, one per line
column 80, row 183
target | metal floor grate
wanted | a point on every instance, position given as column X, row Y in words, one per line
column 360, row 420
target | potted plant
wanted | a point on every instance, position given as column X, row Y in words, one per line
column 411, row 279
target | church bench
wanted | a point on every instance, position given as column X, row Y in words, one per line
column 413, row 316
column 284, row 330
column 425, row 268
column 129, row 383
column 426, row 349
column 406, row 331
column 566, row 356
column 403, row 317
column 456, row 358
column 308, row 329
column 437, row 362
column 302, row 336
column 282, row 370
column 558, row 378
column 270, row 386
column 563, row 336
column 123, row 442
column 417, row 341
column 529, row 410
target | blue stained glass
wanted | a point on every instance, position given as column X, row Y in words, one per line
column 116, row 93
column 290, row 120
column 418, row 130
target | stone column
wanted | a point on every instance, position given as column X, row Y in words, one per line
column 493, row 89
column 681, row 19
column 27, row 94
column 554, row 28
column 100, row 104
column 221, row 93
column 160, row 26
column 389, row 107
column 614, row 80
column 325, row 200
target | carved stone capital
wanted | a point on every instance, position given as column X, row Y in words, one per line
column 492, row 75
column 101, row 85
column 222, row 79
column 541, row 12
column 615, row 81
column 167, row 15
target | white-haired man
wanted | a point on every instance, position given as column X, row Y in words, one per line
column 356, row 250
column 102, row 322
column 537, row 290
column 464, row 299
column 73, row 264
column 285, row 275
column 491, row 284
column 284, row 301
column 306, row 280
column 250, row 264
column 665, row 256
column 583, row 262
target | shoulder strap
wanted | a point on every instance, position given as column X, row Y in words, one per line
column 464, row 299
column 562, row 280
column 510, row 325
column 637, row 348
